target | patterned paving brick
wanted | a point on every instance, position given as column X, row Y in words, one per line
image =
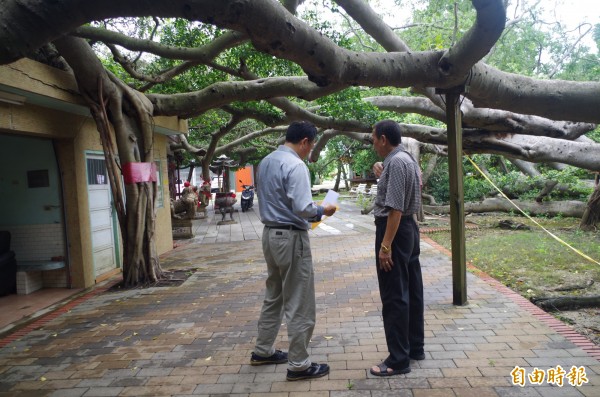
column 196, row 339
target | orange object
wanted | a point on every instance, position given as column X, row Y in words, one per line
column 245, row 176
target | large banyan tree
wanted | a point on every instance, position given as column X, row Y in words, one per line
column 212, row 63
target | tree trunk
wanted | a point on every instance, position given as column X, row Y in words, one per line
column 548, row 188
column 338, row 177
column 191, row 173
column 525, row 167
column 502, row 164
column 591, row 215
column 429, row 198
column 132, row 133
column 210, row 152
column 431, row 164
column 345, row 177
column 573, row 209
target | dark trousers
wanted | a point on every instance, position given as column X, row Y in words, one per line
column 401, row 291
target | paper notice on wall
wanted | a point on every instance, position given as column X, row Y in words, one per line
column 330, row 198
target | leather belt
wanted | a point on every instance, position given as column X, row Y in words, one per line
column 380, row 219
column 286, row 227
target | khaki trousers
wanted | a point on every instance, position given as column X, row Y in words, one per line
column 290, row 291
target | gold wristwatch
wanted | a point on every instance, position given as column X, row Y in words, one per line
column 386, row 250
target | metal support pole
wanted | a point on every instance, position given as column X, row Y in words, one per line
column 457, row 211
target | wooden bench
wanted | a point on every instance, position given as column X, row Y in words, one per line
column 30, row 278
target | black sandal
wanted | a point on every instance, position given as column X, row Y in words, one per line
column 383, row 370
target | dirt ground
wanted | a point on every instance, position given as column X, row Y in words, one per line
column 171, row 278
column 586, row 322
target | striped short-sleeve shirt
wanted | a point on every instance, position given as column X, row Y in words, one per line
column 399, row 185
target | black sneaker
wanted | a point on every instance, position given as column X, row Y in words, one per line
column 314, row 371
column 418, row 357
column 278, row 357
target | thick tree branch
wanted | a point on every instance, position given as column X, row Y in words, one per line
column 485, row 118
column 204, row 53
column 535, row 149
column 222, row 93
column 373, row 25
column 553, row 99
column 325, row 63
column 183, row 144
column 248, row 138
column 478, row 40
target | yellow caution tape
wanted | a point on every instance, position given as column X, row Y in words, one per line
column 530, row 218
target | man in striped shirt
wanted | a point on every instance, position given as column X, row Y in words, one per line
column 397, row 251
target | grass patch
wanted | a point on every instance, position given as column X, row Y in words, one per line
column 531, row 262
column 317, row 198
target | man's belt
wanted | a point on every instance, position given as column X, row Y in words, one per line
column 379, row 219
column 286, row 227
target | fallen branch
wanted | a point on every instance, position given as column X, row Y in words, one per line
column 567, row 302
column 548, row 208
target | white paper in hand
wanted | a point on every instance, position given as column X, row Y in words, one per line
column 331, row 198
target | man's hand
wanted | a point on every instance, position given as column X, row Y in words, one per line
column 385, row 261
column 378, row 168
column 329, row 209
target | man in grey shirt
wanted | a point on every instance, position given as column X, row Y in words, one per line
column 286, row 206
column 397, row 250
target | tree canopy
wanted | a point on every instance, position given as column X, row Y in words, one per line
column 240, row 70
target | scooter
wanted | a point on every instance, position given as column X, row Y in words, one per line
column 247, row 197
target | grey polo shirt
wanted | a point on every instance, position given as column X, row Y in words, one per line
column 399, row 185
column 284, row 196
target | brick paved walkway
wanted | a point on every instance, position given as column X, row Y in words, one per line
column 196, row 339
